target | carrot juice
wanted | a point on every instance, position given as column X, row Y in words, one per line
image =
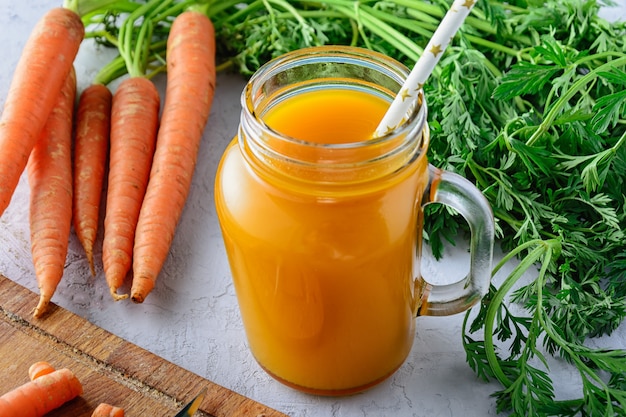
column 322, row 222
column 324, row 284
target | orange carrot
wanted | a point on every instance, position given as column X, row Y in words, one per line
column 134, row 123
column 107, row 410
column 41, row 395
column 38, row 369
column 50, row 180
column 91, row 145
column 190, row 88
column 43, row 67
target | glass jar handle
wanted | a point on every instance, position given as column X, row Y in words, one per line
column 460, row 194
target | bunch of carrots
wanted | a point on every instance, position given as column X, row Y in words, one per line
column 68, row 142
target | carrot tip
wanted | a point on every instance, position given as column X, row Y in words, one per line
column 42, row 306
column 92, row 267
column 142, row 286
column 137, row 298
column 116, row 296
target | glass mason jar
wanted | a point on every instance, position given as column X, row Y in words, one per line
column 322, row 223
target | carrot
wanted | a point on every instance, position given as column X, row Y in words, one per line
column 44, row 65
column 41, row 395
column 189, row 94
column 134, row 123
column 91, row 145
column 107, row 410
column 50, row 179
column 38, row 369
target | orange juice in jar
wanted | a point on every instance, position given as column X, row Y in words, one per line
column 322, row 222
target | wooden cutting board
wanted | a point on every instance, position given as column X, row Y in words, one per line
column 111, row 369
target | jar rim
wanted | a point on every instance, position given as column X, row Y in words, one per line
column 332, row 54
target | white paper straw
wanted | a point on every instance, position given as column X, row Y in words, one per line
column 446, row 30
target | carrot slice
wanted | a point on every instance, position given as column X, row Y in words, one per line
column 108, row 410
column 38, row 369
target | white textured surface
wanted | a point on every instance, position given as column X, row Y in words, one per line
column 192, row 319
